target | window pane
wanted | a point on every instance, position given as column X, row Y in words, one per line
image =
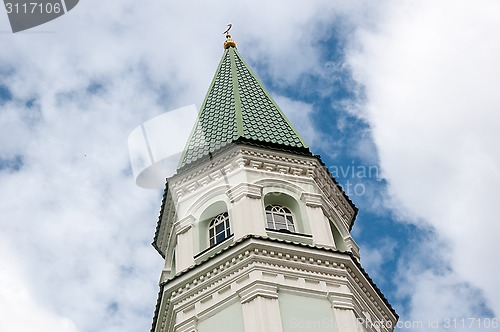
column 220, row 237
column 280, row 226
column 279, row 218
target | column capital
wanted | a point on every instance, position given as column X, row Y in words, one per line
column 341, row 301
column 312, row 199
column 188, row 326
column 183, row 225
column 244, row 190
column 258, row 289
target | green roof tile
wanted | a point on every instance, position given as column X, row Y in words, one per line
column 237, row 107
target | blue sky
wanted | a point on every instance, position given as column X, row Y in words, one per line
column 406, row 88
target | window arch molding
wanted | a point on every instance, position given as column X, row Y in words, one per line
column 199, row 207
column 280, row 185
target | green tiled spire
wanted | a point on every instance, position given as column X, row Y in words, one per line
column 238, row 108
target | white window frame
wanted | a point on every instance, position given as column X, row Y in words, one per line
column 219, row 229
column 279, row 217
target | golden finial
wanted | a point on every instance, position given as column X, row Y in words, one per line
column 229, row 41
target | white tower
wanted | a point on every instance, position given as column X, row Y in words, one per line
column 254, row 230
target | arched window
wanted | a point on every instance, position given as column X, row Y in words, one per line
column 219, row 229
column 279, row 218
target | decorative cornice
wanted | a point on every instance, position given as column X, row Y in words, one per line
column 272, row 161
column 366, row 292
column 241, row 156
column 331, row 267
column 206, row 173
column 212, row 279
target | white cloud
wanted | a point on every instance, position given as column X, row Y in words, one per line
column 20, row 311
column 373, row 258
column 432, row 76
column 78, row 229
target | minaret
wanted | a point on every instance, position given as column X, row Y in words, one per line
column 254, row 230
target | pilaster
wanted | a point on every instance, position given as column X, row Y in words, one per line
column 184, row 258
column 343, row 307
column 246, row 207
column 261, row 311
column 318, row 222
column 189, row 326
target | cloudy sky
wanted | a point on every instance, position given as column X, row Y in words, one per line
column 409, row 90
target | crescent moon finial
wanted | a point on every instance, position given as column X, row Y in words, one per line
column 229, row 41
